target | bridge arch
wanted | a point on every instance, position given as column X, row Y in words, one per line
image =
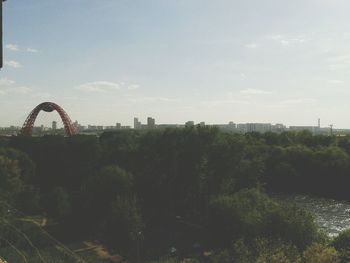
column 28, row 125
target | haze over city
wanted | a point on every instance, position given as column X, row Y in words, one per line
column 107, row 61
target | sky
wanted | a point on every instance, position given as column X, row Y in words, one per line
column 108, row 61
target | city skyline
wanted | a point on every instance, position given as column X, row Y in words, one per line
column 46, row 119
column 151, row 122
column 106, row 61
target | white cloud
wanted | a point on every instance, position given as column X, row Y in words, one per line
column 133, row 87
column 335, row 81
column 98, row 86
column 42, row 95
column 212, row 103
column 274, row 37
column 4, row 82
column 254, row 92
column 153, row 99
column 105, row 86
column 251, row 45
column 13, row 63
column 20, row 90
column 287, row 40
column 243, row 76
column 32, row 50
column 12, row 47
column 8, row 86
column 298, row 101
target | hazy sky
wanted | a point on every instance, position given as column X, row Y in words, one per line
column 107, row 61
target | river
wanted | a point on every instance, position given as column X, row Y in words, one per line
column 332, row 216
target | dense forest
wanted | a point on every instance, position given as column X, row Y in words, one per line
column 166, row 195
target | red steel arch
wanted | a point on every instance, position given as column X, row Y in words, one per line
column 27, row 128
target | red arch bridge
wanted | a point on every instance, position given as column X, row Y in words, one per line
column 27, row 128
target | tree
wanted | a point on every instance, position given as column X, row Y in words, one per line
column 10, row 179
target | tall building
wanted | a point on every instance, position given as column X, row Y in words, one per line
column 231, row 125
column 151, row 123
column 258, row 127
column 137, row 123
column 54, row 125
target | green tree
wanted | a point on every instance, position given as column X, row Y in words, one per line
column 10, row 179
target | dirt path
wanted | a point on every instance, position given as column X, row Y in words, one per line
column 103, row 252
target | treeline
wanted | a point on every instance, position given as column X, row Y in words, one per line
column 181, row 191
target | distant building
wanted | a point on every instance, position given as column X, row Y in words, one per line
column 54, row 125
column 118, row 126
column 242, row 127
column 137, row 123
column 202, row 123
column 254, row 127
column 189, row 123
column 278, row 127
column 151, row 123
column 232, row 124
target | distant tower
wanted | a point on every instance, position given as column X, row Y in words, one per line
column 319, row 123
column 151, row 123
column 54, row 125
column 137, row 123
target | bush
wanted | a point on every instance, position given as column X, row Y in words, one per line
column 259, row 250
column 241, row 214
column 58, row 204
column 342, row 244
column 342, row 241
column 124, row 225
column 250, row 213
column 292, row 224
column 319, row 253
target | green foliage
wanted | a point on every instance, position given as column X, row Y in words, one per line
column 258, row 250
column 10, row 179
column 342, row 241
column 124, row 226
column 342, row 244
column 58, row 204
column 292, row 224
column 318, row 253
column 104, row 187
column 176, row 260
column 28, row 200
column 121, row 183
column 25, row 164
column 241, row 214
column 109, row 182
column 250, row 213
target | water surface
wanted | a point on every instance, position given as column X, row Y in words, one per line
column 332, row 216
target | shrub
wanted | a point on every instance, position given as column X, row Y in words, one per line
column 342, row 244
column 319, row 253
column 250, row 213
column 292, row 224
column 342, row 241
column 241, row 214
